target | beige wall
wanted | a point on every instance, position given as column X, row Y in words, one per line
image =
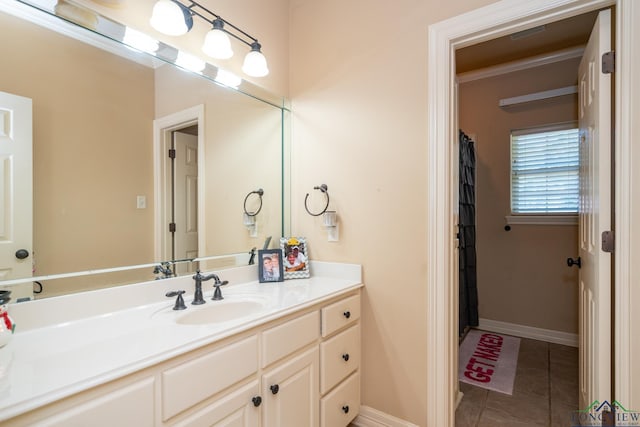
column 89, row 137
column 359, row 97
column 523, row 277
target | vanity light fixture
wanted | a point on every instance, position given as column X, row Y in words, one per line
column 175, row 17
column 171, row 18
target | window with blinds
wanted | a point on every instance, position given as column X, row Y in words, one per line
column 545, row 171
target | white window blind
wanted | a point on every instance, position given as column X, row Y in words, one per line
column 545, row 171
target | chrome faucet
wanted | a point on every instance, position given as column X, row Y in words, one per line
column 199, row 278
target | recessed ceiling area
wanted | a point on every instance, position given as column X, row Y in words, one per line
column 554, row 36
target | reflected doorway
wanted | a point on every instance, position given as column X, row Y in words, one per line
column 178, row 142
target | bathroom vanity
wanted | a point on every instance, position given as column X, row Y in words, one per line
column 269, row 354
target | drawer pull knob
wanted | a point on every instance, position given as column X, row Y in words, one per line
column 347, row 314
column 256, row 401
column 275, row 389
column 345, row 409
column 345, row 357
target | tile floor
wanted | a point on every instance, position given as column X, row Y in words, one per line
column 545, row 391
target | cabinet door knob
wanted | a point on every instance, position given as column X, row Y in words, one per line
column 275, row 389
column 256, row 401
column 347, row 314
column 345, row 409
column 22, row 253
column 345, row 357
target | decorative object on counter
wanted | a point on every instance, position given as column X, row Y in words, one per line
column 249, row 218
column 174, row 18
column 270, row 267
column 7, row 325
column 295, row 250
column 323, row 189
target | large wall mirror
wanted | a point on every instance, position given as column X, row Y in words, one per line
column 104, row 121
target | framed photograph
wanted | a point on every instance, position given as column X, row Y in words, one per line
column 270, row 265
column 296, row 260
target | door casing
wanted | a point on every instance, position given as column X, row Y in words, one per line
column 495, row 20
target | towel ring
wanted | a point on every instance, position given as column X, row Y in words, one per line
column 323, row 188
column 259, row 192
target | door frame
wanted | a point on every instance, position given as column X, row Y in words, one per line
column 162, row 130
column 498, row 19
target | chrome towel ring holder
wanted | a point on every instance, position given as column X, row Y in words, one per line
column 259, row 192
column 323, row 188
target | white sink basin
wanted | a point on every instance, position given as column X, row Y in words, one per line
column 220, row 311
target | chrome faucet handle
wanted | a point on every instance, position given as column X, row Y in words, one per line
column 179, row 305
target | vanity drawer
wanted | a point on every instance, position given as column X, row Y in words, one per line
column 195, row 380
column 340, row 314
column 288, row 337
column 339, row 356
column 341, row 406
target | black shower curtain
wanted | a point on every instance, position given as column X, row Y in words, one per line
column 467, row 235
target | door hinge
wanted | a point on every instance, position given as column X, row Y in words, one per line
column 608, row 241
column 172, row 153
column 608, row 62
column 172, row 227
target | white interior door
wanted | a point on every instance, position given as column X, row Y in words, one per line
column 186, row 196
column 16, row 192
column 595, row 217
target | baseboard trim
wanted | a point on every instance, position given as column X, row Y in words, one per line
column 548, row 335
column 369, row 417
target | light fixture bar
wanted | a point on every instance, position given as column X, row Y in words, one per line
column 216, row 43
column 192, row 7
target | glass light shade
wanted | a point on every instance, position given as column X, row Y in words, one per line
column 255, row 64
column 169, row 18
column 217, row 44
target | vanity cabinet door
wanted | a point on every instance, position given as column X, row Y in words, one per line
column 290, row 392
column 239, row 408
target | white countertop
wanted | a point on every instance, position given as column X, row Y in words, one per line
column 69, row 344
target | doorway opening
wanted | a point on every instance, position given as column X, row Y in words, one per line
column 178, row 142
column 524, row 286
column 444, row 38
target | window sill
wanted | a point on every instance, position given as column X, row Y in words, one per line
column 542, row 219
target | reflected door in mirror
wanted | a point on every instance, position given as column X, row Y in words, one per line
column 16, row 188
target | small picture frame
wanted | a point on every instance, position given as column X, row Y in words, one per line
column 296, row 260
column 270, row 265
